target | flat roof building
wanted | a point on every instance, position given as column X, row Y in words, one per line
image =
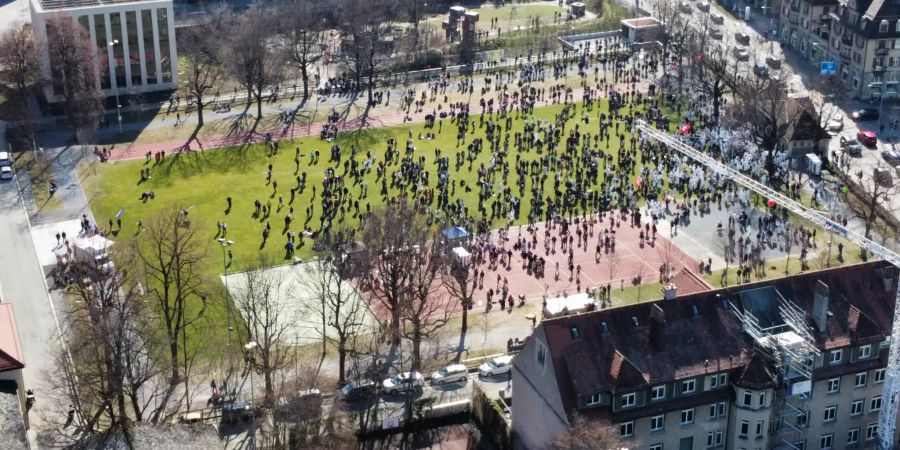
column 134, row 43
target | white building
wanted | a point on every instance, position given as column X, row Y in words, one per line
column 134, row 40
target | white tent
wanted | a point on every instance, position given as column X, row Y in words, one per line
column 572, row 303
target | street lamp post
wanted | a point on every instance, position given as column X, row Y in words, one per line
column 118, row 104
column 225, row 244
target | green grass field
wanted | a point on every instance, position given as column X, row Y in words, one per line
column 516, row 12
column 202, row 181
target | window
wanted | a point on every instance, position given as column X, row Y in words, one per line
column 657, row 423
column 541, row 354
column 830, row 413
column 628, row 400
column 716, row 410
column 626, row 429
column 604, row 327
column 720, row 438
column 688, row 386
column 871, row 431
column 723, row 379
column 853, row 435
column 656, row 447
column 834, row 385
column 860, row 379
column 802, row 419
column 836, row 356
column 879, row 376
column 883, row 26
column 593, row 399
column 875, row 403
column 897, row 26
column 800, row 445
column 687, row 416
column 856, row 408
column 576, row 335
column 713, row 382
column 745, row 429
column 658, row 393
column 762, row 399
column 720, row 409
column 759, row 428
column 748, row 398
column 715, row 439
column 826, row 441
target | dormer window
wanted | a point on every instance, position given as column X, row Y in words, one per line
column 576, row 335
column 688, row 386
column 835, row 356
column 883, row 26
column 604, row 327
column 865, row 351
column 629, row 400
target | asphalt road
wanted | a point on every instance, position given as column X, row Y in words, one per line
column 22, row 285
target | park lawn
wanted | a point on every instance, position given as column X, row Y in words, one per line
column 37, row 167
column 507, row 13
column 201, row 181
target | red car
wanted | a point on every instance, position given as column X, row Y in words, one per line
column 867, row 137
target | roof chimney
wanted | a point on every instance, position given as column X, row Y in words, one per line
column 657, row 326
column 820, row 305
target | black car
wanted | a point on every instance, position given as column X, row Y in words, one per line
column 359, row 390
column 865, row 114
column 235, row 412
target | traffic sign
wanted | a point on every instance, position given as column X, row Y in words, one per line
column 828, row 68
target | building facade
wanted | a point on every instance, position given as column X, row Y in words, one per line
column 796, row 363
column 134, row 43
column 861, row 36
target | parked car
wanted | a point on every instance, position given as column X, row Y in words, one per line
column 773, row 62
column 742, row 38
column 851, row 146
column 865, row 114
column 6, row 173
column 704, row 6
column 761, row 70
column 867, row 137
column 403, row 382
column 891, row 156
column 716, row 18
column 716, row 34
column 685, row 7
column 5, row 159
column 234, row 412
column 836, row 123
column 359, row 390
column 741, row 54
column 496, row 366
column 453, row 373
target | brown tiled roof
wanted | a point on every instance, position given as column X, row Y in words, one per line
column 701, row 334
column 757, row 374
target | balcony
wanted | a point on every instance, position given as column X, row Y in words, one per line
column 878, row 68
column 882, row 51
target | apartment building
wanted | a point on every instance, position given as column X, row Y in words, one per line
column 796, row 363
column 861, row 36
column 134, row 43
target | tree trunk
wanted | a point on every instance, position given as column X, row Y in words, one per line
column 395, row 325
column 465, row 318
column 342, row 363
column 259, row 103
column 200, row 105
column 304, row 75
column 417, row 348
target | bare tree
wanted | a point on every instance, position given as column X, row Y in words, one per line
column 254, row 61
column 107, row 332
column 426, row 309
column 201, row 64
column 304, row 35
column 587, row 434
column 460, row 280
column 366, row 22
column 716, row 74
column 171, row 254
column 388, row 235
column 18, row 60
column 414, row 10
column 262, row 304
column 71, row 59
column 764, row 105
column 339, row 311
column 873, row 199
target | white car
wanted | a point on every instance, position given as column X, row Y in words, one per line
column 6, row 173
column 453, row 373
column 496, row 366
column 836, row 123
column 403, row 382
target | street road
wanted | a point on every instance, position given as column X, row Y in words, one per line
column 22, row 284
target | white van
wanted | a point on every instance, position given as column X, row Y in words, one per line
column 5, row 159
